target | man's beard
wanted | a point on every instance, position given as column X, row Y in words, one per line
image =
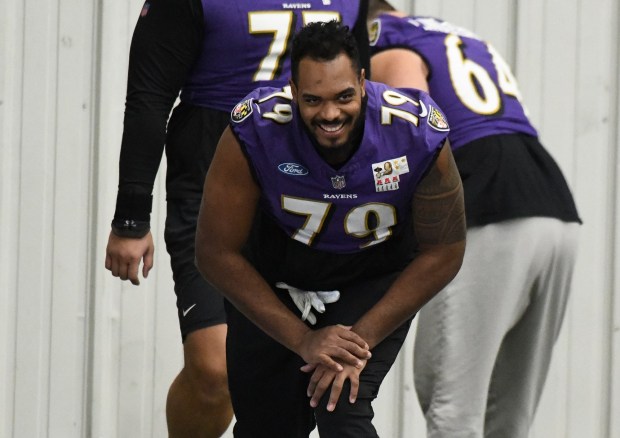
column 337, row 156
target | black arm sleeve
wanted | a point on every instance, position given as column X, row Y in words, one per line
column 165, row 44
column 360, row 31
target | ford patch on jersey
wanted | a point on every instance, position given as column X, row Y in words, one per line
column 241, row 111
column 293, row 169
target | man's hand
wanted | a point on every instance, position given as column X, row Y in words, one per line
column 324, row 377
column 123, row 256
column 325, row 345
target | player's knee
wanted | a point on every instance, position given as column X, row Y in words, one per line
column 213, row 387
column 210, row 383
column 205, row 365
column 348, row 420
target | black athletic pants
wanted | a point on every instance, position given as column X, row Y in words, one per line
column 269, row 391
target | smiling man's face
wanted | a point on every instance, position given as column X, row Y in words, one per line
column 329, row 97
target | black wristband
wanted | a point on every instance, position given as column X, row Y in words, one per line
column 130, row 228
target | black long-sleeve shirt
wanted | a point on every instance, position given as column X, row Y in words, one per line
column 167, row 41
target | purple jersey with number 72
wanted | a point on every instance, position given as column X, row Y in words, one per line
column 254, row 51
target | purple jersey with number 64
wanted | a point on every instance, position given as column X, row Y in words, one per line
column 253, row 50
column 467, row 78
column 367, row 200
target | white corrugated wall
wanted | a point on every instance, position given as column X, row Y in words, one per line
column 83, row 356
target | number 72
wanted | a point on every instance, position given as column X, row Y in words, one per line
column 281, row 25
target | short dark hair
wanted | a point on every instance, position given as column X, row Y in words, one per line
column 324, row 41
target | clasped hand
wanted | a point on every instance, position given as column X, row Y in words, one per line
column 323, row 377
column 335, row 354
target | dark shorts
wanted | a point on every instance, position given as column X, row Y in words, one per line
column 269, row 391
column 193, row 134
column 512, row 176
column 199, row 304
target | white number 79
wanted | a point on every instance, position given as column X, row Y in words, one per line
column 356, row 221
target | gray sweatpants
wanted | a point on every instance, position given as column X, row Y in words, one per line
column 484, row 343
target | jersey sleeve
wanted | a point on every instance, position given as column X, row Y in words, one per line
column 261, row 122
column 432, row 130
column 433, row 121
column 244, row 120
column 405, row 122
column 415, row 111
column 388, row 32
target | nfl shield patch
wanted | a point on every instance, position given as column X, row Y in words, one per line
column 241, row 111
column 338, row 182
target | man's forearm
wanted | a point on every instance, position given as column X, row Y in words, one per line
column 439, row 225
column 247, row 290
column 425, row 276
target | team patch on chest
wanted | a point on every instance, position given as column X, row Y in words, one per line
column 387, row 173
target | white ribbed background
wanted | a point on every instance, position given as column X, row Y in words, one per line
column 83, row 356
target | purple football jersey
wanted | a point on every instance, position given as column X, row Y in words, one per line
column 255, row 51
column 365, row 201
column 484, row 97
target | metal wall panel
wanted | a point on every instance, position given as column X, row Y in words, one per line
column 137, row 348
column 614, row 121
column 574, row 118
column 136, row 336
column 83, row 356
column 35, row 172
column 72, row 216
column 10, row 161
column 574, row 399
column 45, row 202
column 614, row 363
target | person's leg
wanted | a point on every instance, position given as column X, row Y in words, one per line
column 523, row 362
column 461, row 329
column 267, row 387
column 348, row 420
column 198, row 403
column 355, row 420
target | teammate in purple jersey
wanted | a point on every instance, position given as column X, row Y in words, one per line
column 337, row 169
column 484, row 343
column 214, row 52
column 481, row 101
column 253, row 49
